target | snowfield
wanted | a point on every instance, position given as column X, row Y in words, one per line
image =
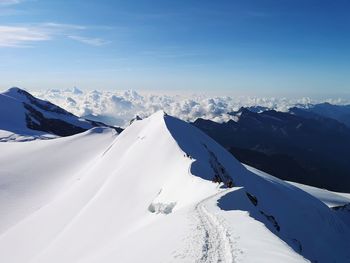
column 148, row 195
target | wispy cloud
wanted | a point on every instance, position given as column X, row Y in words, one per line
column 17, row 36
column 24, row 34
column 90, row 41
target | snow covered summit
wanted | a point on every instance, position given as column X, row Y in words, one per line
column 24, row 117
column 161, row 191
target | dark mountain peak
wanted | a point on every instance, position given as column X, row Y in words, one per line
column 258, row 109
column 324, row 104
column 17, row 93
column 137, row 118
column 244, row 112
column 278, row 115
column 15, row 90
column 251, row 109
column 293, row 109
column 303, row 113
column 28, row 99
column 201, row 121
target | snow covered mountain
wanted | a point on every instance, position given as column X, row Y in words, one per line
column 24, row 117
column 161, row 191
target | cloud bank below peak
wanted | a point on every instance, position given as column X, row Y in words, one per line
column 119, row 107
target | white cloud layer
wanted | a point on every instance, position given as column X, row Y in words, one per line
column 119, row 107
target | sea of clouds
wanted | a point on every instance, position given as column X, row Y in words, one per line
column 119, row 107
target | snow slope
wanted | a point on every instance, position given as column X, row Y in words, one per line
column 32, row 173
column 339, row 202
column 147, row 195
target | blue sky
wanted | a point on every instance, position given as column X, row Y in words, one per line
column 287, row 47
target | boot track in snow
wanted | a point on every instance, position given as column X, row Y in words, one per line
column 217, row 246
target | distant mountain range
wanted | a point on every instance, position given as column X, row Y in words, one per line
column 340, row 113
column 25, row 117
column 303, row 145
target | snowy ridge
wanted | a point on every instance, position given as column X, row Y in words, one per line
column 158, row 191
column 280, row 206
